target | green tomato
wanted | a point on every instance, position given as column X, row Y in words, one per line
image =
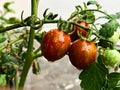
column 115, row 37
column 111, row 57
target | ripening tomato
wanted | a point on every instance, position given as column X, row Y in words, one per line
column 55, row 44
column 74, row 35
column 82, row 53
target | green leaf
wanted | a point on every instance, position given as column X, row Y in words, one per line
column 7, row 58
column 2, row 38
column 116, row 15
column 6, row 6
column 105, row 43
column 117, row 88
column 94, row 77
column 114, row 81
column 108, row 29
column 93, row 2
column 90, row 17
column 1, row 26
column 13, row 20
column 3, row 81
column 8, row 65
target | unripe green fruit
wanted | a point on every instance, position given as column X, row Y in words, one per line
column 111, row 57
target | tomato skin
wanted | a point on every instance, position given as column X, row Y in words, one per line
column 55, row 44
column 82, row 53
column 111, row 57
column 74, row 35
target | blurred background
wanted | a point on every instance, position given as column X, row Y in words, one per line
column 62, row 7
column 60, row 75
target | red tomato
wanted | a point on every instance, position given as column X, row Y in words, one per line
column 74, row 35
column 82, row 53
column 55, row 44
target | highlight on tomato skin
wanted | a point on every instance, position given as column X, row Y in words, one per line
column 55, row 44
column 82, row 53
column 74, row 35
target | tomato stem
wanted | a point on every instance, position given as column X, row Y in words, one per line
column 44, row 22
column 29, row 56
column 97, row 10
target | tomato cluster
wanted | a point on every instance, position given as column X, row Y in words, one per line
column 56, row 44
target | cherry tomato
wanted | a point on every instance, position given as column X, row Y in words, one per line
column 74, row 35
column 82, row 53
column 111, row 57
column 55, row 44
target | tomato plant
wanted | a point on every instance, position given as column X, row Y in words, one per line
column 92, row 48
column 82, row 53
column 55, row 44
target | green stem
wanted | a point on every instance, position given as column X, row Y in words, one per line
column 37, row 50
column 16, row 82
column 96, row 10
column 4, row 29
column 77, row 24
column 38, row 55
column 18, row 25
column 29, row 56
column 99, row 11
column 38, row 22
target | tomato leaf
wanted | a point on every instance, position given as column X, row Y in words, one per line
column 6, row 6
column 90, row 17
column 13, row 20
column 108, row 29
column 94, row 77
column 2, row 38
column 116, row 16
column 3, row 81
column 105, row 43
column 113, row 81
column 92, row 2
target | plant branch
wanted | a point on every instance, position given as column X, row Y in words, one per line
column 8, row 28
column 96, row 10
column 29, row 56
column 18, row 25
